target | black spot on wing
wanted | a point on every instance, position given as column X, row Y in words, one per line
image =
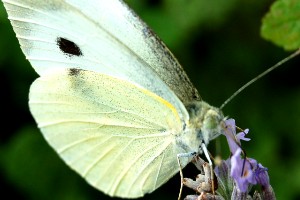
column 68, row 47
column 74, row 71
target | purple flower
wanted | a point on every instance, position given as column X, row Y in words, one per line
column 245, row 171
column 241, row 171
column 261, row 174
column 234, row 140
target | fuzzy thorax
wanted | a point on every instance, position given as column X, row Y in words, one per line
column 205, row 124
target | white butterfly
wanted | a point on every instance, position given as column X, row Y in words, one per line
column 111, row 98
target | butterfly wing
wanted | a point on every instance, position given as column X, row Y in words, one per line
column 109, row 99
column 120, row 137
column 107, row 33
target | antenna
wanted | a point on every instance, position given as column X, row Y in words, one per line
column 259, row 76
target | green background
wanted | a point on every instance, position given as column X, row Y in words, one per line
column 219, row 45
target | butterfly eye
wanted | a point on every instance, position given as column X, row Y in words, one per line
column 68, row 47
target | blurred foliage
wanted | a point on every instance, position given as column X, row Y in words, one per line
column 219, row 44
column 282, row 24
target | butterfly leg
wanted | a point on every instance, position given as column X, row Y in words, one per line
column 180, row 155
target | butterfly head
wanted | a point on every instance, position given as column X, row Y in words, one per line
column 206, row 120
